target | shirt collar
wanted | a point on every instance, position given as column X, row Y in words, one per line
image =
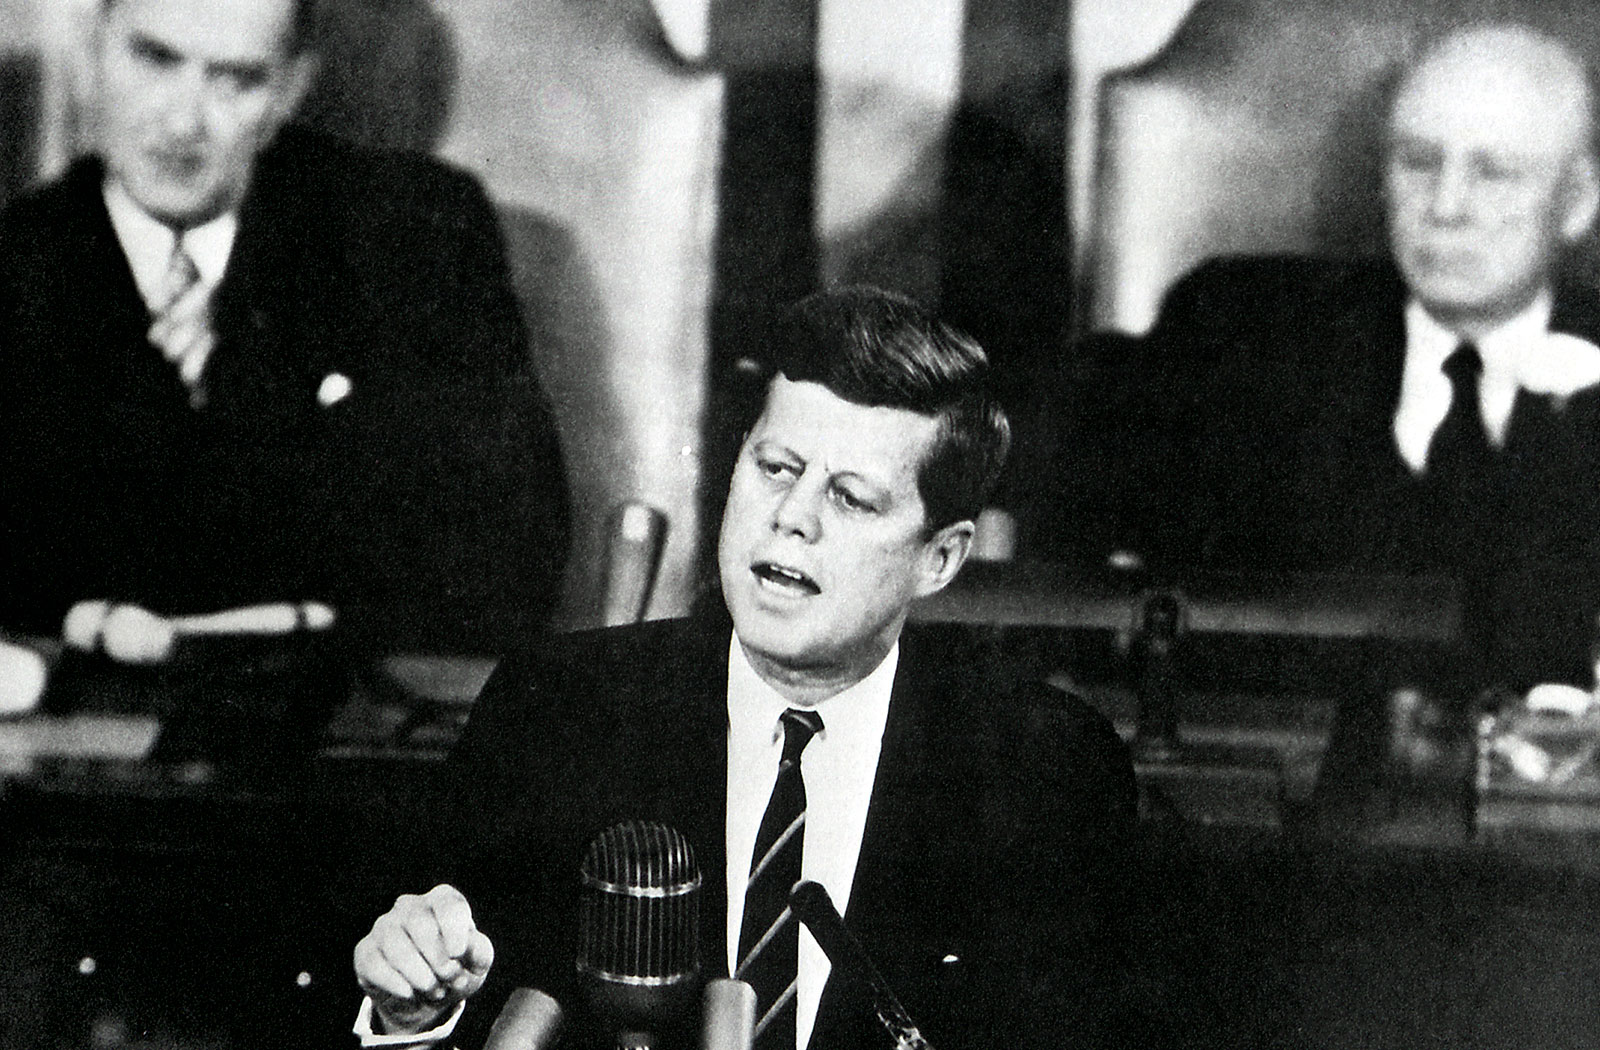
column 1522, row 353
column 755, row 706
column 147, row 242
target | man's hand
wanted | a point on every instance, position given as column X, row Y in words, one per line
column 422, row 957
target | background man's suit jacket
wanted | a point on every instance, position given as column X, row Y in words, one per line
column 995, row 835
column 1276, row 389
column 428, row 502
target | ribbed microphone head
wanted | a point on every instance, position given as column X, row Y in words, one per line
column 639, row 923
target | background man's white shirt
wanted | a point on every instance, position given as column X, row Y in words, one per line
column 147, row 244
column 1521, row 354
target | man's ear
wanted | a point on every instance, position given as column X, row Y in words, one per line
column 943, row 555
column 299, row 77
column 1582, row 197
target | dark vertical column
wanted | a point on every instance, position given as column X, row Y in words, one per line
column 1006, row 257
column 765, row 252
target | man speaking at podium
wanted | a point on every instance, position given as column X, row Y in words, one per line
column 969, row 829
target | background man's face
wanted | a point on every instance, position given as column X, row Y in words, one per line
column 189, row 91
column 822, row 545
column 1485, row 176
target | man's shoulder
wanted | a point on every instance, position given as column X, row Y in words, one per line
column 1005, row 719
column 1577, row 309
column 629, row 642
column 563, row 695
column 49, row 211
column 616, row 661
column 306, row 166
column 1235, row 290
column 1287, row 273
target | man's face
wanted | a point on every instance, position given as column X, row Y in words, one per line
column 189, row 92
column 1487, row 176
column 823, row 545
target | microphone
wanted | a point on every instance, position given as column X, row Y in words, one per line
column 531, row 1020
column 639, row 932
column 730, row 1015
column 812, row 906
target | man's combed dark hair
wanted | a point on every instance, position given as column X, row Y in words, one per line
column 878, row 349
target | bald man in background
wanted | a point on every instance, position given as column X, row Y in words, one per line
column 1434, row 412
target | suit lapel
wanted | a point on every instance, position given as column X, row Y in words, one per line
column 1537, row 420
column 1347, row 468
column 263, row 311
column 1355, row 376
column 113, row 321
column 695, row 790
column 898, row 792
column 705, row 824
column 1372, row 354
column 881, row 900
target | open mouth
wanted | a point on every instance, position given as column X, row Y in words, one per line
column 791, row 581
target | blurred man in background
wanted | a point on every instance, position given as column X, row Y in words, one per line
column 250, row 365
column 1435, row 412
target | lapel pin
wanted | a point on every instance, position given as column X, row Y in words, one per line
column 334, row 389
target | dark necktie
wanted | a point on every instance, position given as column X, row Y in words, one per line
column 769, row 939
column 1460, row 450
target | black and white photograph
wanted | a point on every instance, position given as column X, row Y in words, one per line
column 784, row 524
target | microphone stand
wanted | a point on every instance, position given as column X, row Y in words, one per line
column 813, row 906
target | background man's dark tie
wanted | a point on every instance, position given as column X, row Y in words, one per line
column 769, row 938
column 1460, row 449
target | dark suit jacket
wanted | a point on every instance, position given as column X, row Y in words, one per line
column 429, row 502
column 1277, row 388
column 995, row 833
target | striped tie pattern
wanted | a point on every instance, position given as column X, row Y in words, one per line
column 769, row 939
column 182, row 326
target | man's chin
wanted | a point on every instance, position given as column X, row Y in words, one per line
column 1462, row 303
column 179, row 206
column 755, row 619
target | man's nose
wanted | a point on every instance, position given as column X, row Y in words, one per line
column 1450, row 193
column 799, row 511
column 183, row 107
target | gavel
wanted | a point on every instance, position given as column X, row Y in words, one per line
column 132, row 634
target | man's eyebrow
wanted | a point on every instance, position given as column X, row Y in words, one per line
column 243, row 69
column 150, row 47
column 774, row 448
column 879, row 487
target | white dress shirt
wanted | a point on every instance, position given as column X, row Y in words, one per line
column 1521, row 354
column 838, row 767
column 147, row 244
